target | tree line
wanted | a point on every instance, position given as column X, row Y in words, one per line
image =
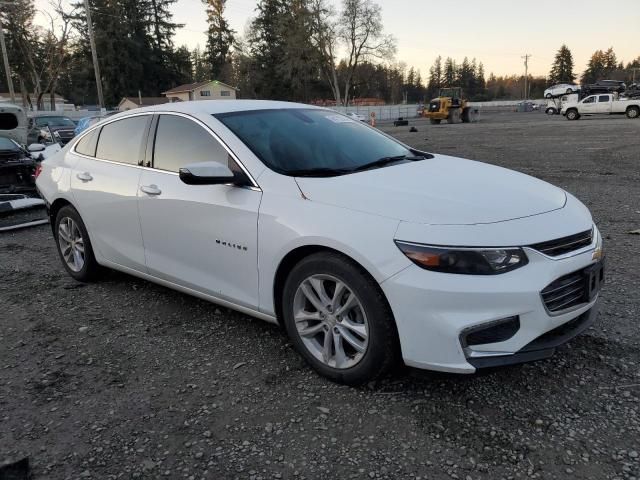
column 299, row 50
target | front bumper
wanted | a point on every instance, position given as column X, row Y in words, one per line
column 433, row 310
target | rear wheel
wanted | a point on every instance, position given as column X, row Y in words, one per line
column 338, row 319
column 569, row 91
column 633, row 112
column 466, row 115
column 548, row 95
column 573, row 114
column 435, row 121
column 74, row 246
column 550, row 111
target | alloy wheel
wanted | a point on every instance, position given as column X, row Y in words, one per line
column 331, row 322
column 71, row 243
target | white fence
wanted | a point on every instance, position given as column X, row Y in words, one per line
column 383, row 112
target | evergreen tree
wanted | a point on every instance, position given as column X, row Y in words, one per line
column 596, row 68
column 450, row 72
column 562, row 68
column 220, row 38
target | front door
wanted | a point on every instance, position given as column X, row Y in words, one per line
column 105, row 181
column 202, row 237
column 589, row 106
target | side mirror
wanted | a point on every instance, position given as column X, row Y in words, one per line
column 36, row 147
column 206, row 173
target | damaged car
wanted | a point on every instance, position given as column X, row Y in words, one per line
column 17, row 167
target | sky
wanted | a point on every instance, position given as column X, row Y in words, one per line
column 496, row 32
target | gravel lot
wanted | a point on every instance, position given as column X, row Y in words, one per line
column 126, row 379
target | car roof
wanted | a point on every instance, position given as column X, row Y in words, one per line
column 212, row 107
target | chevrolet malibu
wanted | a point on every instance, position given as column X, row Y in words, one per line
column 365, row 250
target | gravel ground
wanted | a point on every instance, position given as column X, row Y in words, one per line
column 126, row 379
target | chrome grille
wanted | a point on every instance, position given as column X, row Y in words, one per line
column 555, row 248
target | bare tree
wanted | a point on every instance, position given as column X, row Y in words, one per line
column 324, row 37
column 360, row 29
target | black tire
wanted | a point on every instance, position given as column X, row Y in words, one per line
column 569, row 91
column 90, row 269
column 573, row 114
column 382, row 351
column 633, row 112
column 466, row 115
column 550, row 111
column 548, row 95
column 435, row 121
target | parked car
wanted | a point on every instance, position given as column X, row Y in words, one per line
column 46, row 128
column 364, row 249
column 17, row 167
column 85, row 123
column 561, row 89
column 357, row 117
column 606, row 104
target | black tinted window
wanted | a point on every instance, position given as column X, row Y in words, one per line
column 121, row 141
column 291, row 140
column 603, row 98
column 87, row 146
column 180, row 141
column 590, row 100
column 8, row 121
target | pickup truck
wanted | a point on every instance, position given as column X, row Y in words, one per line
column 601, row 104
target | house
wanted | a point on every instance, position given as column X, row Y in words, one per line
column 207, row 90
column 129, row 103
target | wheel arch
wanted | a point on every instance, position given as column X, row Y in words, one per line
column 55, row 207
column 293, row 257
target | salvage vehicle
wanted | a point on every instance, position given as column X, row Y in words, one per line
column 17, row 167
column 607, row 104
column 561, row 89
column 47, row 128
column 364, row 249
column 13, row 123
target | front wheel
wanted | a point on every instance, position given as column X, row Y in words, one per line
column 633, row 112
column 573, row 115
column 338, row 319
column 74, row 246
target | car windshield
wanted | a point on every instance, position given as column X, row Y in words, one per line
column 313, row 142
column 7, row 144
column 54, row 122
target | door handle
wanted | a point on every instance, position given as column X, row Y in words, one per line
column 151, row 190
column 85, row 176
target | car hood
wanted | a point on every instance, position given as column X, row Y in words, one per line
column 440, row 191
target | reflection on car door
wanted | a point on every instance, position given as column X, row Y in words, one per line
column 105, row 184
column 203, row 237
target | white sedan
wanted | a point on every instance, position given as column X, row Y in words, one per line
column 561, row 89
column 365, row 250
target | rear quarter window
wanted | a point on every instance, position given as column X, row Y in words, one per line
column 87, row 144
column 8, row 121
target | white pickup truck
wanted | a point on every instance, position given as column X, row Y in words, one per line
column 601, row 104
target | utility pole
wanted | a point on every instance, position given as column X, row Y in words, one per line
column 7, row 68
column 94, row 54
column 526, row 75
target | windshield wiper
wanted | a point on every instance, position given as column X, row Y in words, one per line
column 318, row 172
column 381, row 162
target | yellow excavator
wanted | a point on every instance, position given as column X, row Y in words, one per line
column 449, row 105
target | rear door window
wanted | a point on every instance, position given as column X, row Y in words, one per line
column 122, row 141
column 8, row 121
column 603, row 98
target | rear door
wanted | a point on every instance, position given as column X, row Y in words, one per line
column 604, row 104
column 203, row 237
column 105, row 185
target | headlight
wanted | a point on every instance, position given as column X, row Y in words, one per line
column 468, row 261
column 45, row 134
